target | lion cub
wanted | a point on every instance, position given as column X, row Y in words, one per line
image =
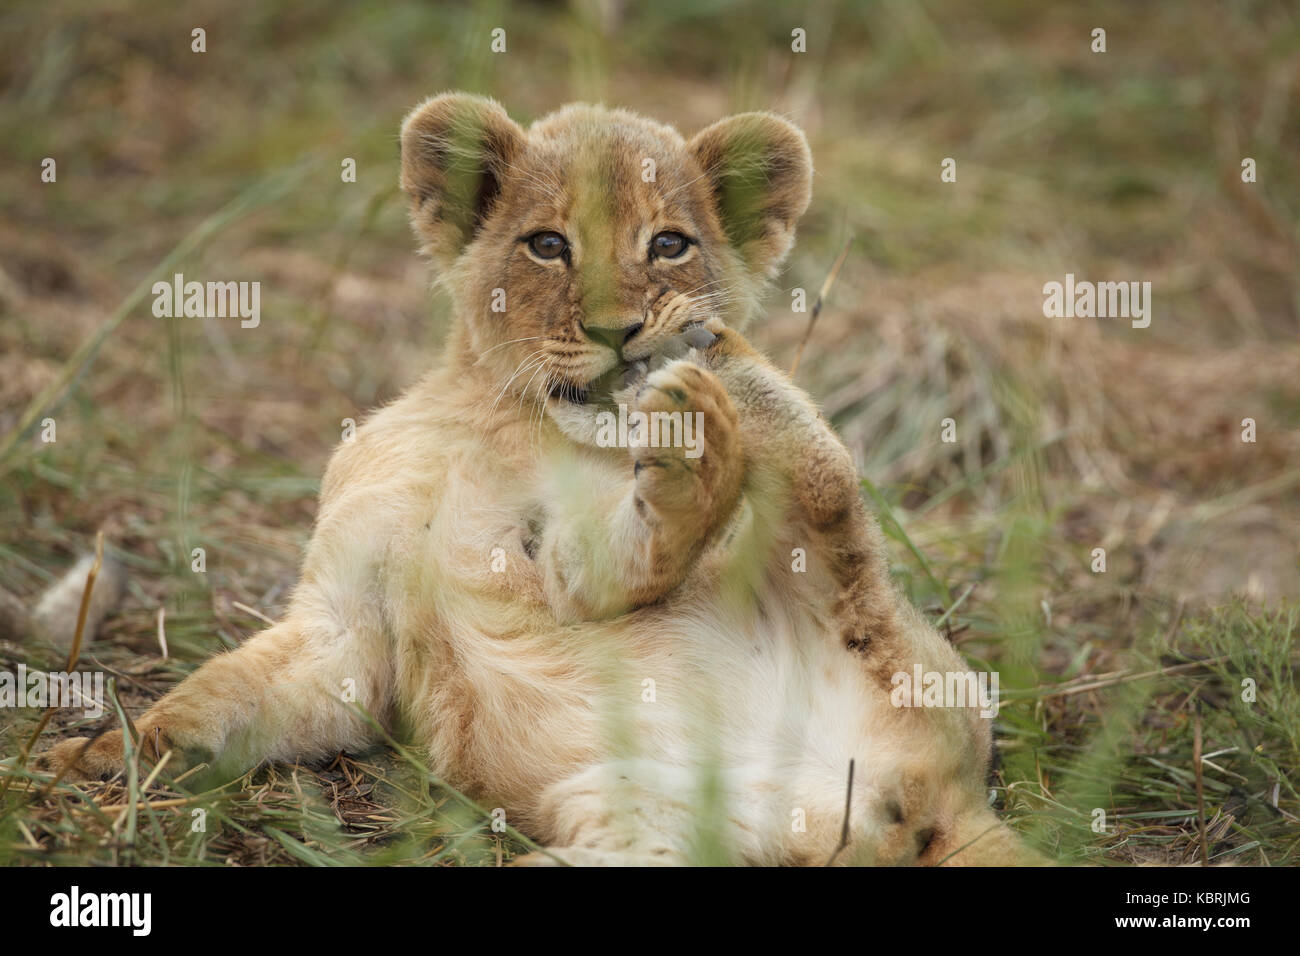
column 639, row 647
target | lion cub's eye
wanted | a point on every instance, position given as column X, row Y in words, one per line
column 548, row 245
column 668, row 245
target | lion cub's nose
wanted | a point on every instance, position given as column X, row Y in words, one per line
column 613, row 336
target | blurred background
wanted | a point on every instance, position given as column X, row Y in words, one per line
column 1072, row 434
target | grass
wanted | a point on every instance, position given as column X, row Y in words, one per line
column 1070, row 434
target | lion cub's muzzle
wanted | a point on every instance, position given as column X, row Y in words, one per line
column 638, row 359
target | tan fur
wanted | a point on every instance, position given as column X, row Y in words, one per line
column 525, row 684
column 54, row 619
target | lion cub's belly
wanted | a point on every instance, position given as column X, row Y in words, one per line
column 774, row 695
column 764, row 698
column 509, row 703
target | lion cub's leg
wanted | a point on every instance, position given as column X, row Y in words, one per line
column 604, row 557
column 279, row 696
column 642, row 812
column 798, row 464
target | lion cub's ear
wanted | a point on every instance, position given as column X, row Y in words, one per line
column 456, row 149
column 760, row 169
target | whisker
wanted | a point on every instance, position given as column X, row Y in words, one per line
column 519, row 369
column 501, row 345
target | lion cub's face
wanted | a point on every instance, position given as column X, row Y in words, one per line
column 578, row 249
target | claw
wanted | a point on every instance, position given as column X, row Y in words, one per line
column 698, row 337
column 633, row 374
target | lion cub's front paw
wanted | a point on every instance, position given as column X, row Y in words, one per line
column 686, row 450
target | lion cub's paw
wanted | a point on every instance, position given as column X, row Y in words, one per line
column 79, row 759
column 689, row 461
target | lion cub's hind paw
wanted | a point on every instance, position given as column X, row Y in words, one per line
column 81, row 759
